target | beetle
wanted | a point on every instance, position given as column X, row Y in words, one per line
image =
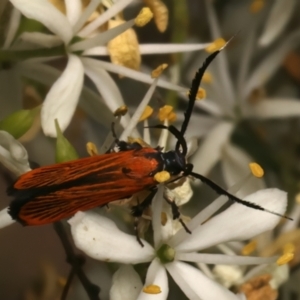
column 51, row 193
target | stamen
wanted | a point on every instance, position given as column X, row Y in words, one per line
column 157, row 72
column 285, row 258
column 91, row 149
column 249, row 248
column 207, row 77
column 166, row 113
column 121, row 111
column 201, row 94
column 152, row 289
column 143, row 17
column 216, row 45
column 162, row 176
column 147, row 113
column 256, row 170
column 256, row 6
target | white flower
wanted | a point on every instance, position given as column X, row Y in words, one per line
column 62, row 99
column 101, row 239
column 228, row 101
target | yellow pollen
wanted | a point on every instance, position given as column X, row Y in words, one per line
column 215, row 45
column 285, row 258
column 256, row 170
column 162, row 176
column 297, row 198
column 249, row 248
column 91, row 149
column 156, row 72
column 166, row 113
column 207, row 77
column 143, row 17
column 121, row 111
column 146, row 114
column 289, row 248
column 164, row 218
column 201, row 94
column 152, row 289
column 256, row 6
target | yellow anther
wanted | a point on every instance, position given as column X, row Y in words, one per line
column 256, row 170
column 201, row 94
column 156, row 72
column 162, row 176
column 146, row 114
column 143, row 17
column 121, row 111
column 215, row 45
column 256, row 6
column 172, row 117
column 160, row 12
column 166, row 113
column 163, row 218
column 207, row 77
column 249, row 248
column 297, row 198
column 91, row 149
column 285, row 258
column 152, row 289
column 289, row 248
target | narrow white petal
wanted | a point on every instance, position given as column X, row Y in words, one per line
column 13, row 26
column 139, row 76
column 275, row 108
column 210, row 150
column 238, row 222
column 5, row 218
column 100, row 238
column 112, row 11
column 277, row 20
column 235, row 165
column 44, row 12
column 73, row 10
column 196, row 285
column 126, row 284
column 40, row 40
column 156, row 275
column 156, row 216
column 139, row 111
column 271, row 63
column 100, row 51
column 86, row 14
column 222, row 259
column 102, row 38
column 62, row 99
column 170, row 48
column 13, row 155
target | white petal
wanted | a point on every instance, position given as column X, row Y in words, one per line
column 62, row 99
column 210, row 149
column 112, row 11
column 222, row 259
column 277, row 20
column 40, row 40
column 275, row 108
column 13, row 26
column 12, row 154
column 156, row 217
column 170, row 48
column 271, row 63
column 126, row 284
column 235, row 165
column 195, row 285
column 156, row 275
column 238, row 222
column 73, row 10
column 44, row 12
column 100, row 238
column 5, row 218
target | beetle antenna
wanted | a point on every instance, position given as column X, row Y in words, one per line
column 233, row 198
column 194, row 90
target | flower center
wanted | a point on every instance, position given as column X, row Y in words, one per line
column 165, row 253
